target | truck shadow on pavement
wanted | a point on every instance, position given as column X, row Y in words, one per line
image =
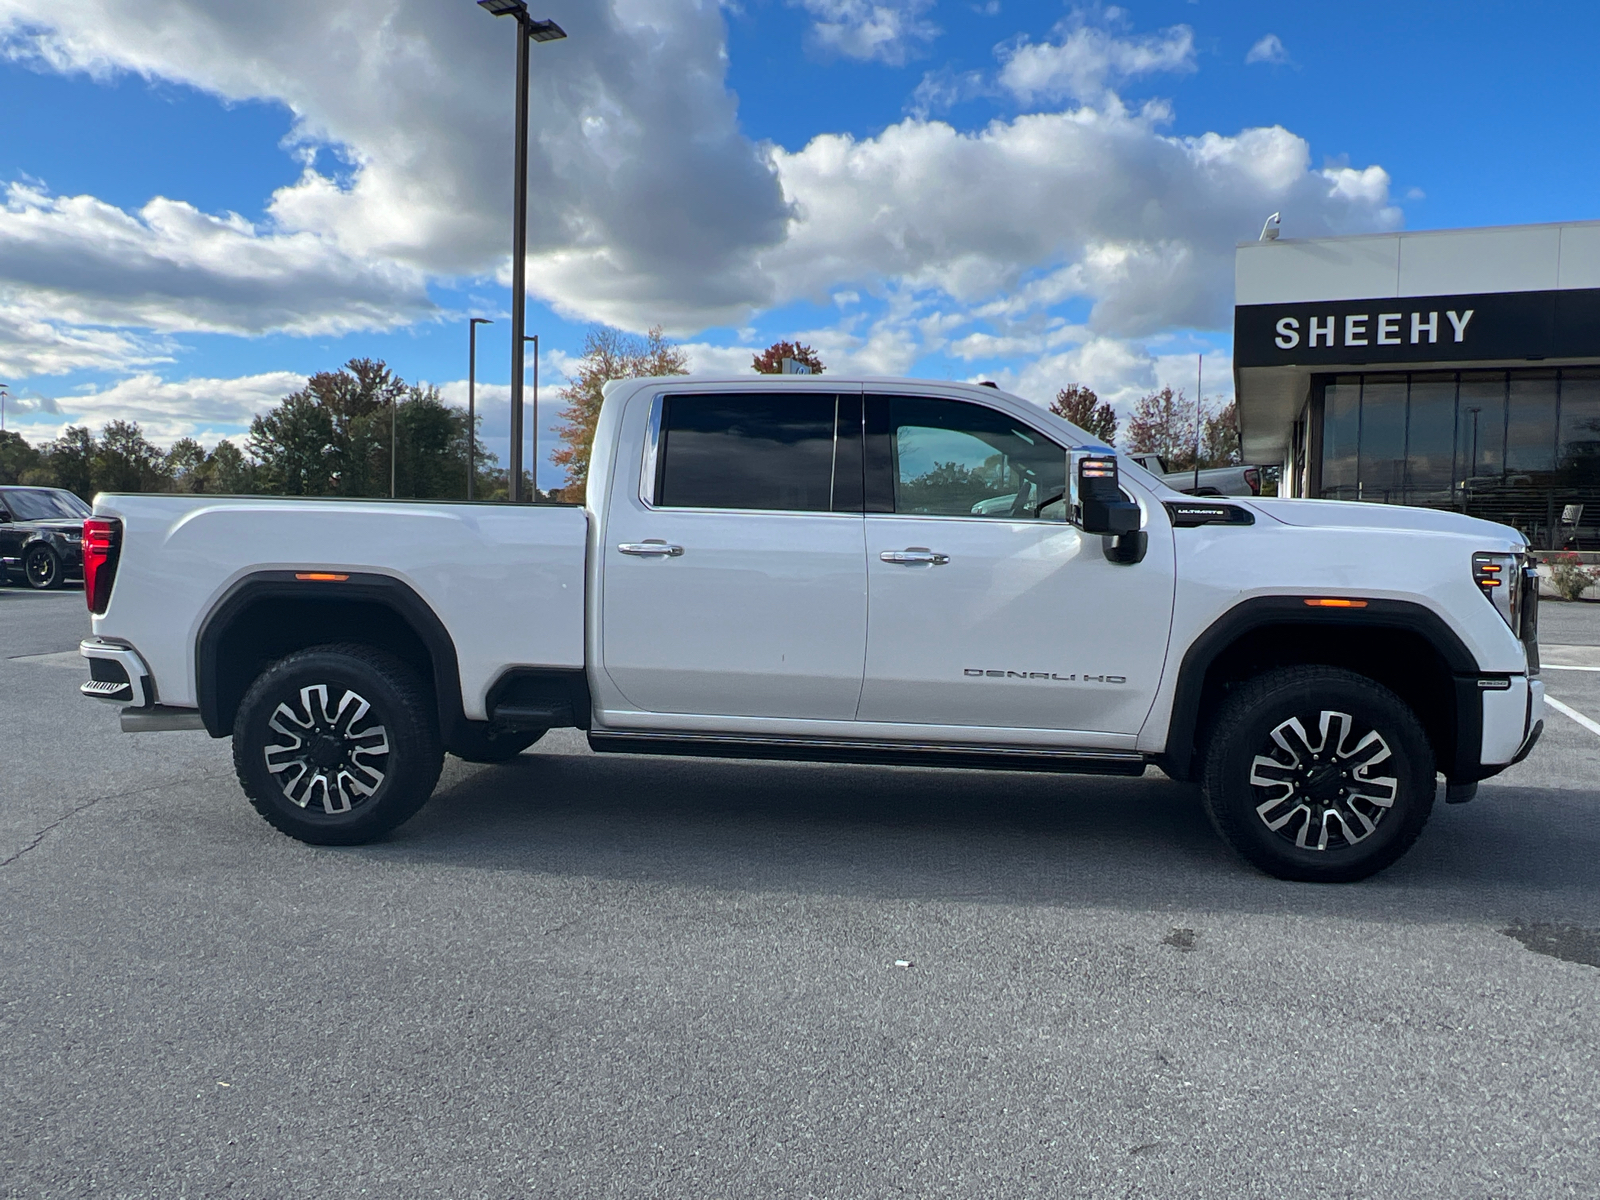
column 987, row 837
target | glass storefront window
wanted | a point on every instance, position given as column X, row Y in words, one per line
column 1531, row 426
column 1577, row 476
column 1518, row 447
column 1431, row 440
column 1383, row 438
column 1481, row 427
column 1341, row 432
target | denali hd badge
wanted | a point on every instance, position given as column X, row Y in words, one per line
column 974, row 672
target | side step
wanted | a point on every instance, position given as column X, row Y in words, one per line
column 899, row 754
column 529, row 717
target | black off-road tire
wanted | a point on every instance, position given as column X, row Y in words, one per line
column 1336, row 785
column 42, row 568
column 479, row 744
column 343, row 750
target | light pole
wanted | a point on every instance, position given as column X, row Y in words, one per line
column 472, row 399
column 538, row 31
column 534, row 338
column 3, row 395
column 394, row 407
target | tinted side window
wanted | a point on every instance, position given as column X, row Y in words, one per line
column 964, row 460
column 760, row 451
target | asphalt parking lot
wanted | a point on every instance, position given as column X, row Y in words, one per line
column 584, row 976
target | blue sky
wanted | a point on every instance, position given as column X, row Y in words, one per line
column 1033, row 192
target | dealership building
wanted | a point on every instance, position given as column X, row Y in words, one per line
column 1457, row 369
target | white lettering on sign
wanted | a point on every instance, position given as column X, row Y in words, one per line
column 1359, row 329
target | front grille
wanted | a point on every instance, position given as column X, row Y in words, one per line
column 1528, row 613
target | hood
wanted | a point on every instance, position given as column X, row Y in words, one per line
column 1351, row 514
column 55, row 525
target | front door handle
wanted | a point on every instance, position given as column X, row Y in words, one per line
column 912, row 555
column 654, row 548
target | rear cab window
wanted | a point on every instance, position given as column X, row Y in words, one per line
column 768, row 451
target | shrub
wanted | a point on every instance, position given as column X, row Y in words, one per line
column 1570, row 576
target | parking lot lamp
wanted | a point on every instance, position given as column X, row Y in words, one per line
column 528, row 30
column 472, row 399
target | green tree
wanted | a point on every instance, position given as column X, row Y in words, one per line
column 17, row 457
column 294, row 445
column 230, row 473
column 189, row 466
column 432, row 447
column 770, row 360
column 125, row 461
column 1087, row 411
column 70, row 461
column 607, row 354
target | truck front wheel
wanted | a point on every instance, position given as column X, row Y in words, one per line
column 337, row 745
column 1317, row 774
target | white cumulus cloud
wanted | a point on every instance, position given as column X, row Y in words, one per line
column 1091, row 203
column 890, row 31
column 170, row 267
column 167, row 410
column 1088, row 60
column 1269, row 49
column 646, row 200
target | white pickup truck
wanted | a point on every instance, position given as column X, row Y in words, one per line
column 866, row 570
column 1208, row 481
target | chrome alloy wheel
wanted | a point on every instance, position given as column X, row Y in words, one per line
column 1321, row 793
column 328, row 754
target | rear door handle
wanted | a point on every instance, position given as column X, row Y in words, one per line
column 653, row 548
column 912, row 555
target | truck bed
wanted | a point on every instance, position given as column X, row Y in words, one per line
column 507, row 581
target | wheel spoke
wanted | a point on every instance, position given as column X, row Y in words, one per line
column 1318, row 792
column 327, row 758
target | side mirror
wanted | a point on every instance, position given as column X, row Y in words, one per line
column 1098, row 505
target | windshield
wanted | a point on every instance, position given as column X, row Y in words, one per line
column 43, row 504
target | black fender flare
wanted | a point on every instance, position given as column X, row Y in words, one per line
column 352, row 587
column 1262, row 611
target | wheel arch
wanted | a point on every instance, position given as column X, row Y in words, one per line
column 1402, row 645
column 269, row 614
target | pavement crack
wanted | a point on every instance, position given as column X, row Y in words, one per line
column 84, row 807
column 40, row 836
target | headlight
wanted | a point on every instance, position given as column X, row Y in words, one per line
column 1499, row 577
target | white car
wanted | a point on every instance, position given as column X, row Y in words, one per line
column 863, row 570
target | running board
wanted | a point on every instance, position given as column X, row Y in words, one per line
column 896, row 754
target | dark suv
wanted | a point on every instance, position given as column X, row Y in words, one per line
column 41, row 536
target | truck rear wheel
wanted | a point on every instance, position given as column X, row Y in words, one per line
column 1317, row 774
column 337, row 745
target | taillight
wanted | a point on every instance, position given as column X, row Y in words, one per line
column 1252, row 476
column 102, row 539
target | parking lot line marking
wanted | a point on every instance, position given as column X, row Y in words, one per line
column 1592, row 726
column 1555, row 667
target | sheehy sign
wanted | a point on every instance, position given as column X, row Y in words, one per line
column 1414, row 329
